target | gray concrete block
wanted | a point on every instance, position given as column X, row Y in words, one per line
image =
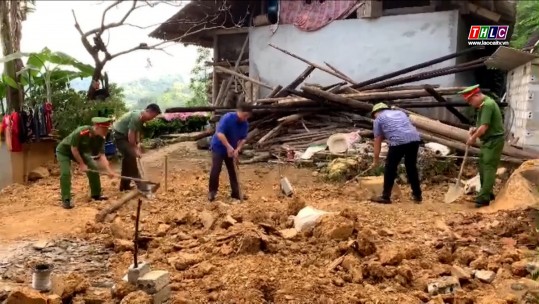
column 162, row 295
column 286, row 187
column 133, row 274
column 154, row 281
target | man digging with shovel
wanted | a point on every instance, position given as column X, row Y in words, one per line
column 225, row 146
column 490, row 131
column 79, row 146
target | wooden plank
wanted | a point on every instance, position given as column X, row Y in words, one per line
column 232, row 31
column 408, row 10
column 215, row 78
column 483, row 12
column 227, row 71
column 370, row 9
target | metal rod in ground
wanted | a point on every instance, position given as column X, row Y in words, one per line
column 166, row 173
column 135, row 245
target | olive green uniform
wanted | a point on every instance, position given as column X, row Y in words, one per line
column 130, row 121
column 492, row 143
column 88, row 143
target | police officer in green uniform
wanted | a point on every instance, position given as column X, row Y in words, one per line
column 127, row 133
column 79, row 146
column 490, row 130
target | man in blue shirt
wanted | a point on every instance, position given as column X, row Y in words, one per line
column 395, row 127
column 226, row 145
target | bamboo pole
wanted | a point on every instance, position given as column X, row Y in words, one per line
column 412, row 68
column 234, row 73
column 166, row 173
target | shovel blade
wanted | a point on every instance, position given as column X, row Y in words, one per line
column 453, row 193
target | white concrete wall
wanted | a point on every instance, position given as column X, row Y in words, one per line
column 360, row 48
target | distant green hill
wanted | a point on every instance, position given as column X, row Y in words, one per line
column 167, row 91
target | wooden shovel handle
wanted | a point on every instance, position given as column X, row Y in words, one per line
column 462, row 165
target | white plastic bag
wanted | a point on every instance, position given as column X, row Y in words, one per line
column 307, row 217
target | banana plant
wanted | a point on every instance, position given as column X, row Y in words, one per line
column 46, row 67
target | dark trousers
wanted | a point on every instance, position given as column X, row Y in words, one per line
column 394, row 156
column 216, row 164
column 129, row 160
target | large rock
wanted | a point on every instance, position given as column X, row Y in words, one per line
column 333, row 227
column 391, row 256
column 38, row 173
column 185, row 260
column 520, row 190
column 26, row 296
column 137, row 297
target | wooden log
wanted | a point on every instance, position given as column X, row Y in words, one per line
column 462, row 136
column 412, row 68
column 227, row 71
column 294, row 84
column 337, row 71
column 322, row 68
column 275, row 91
column 221, row 93
column 441, row 99
column 100, row 216
column 427, row 75
column 338, row 98
column 370, row 96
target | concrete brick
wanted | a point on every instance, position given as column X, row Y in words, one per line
column 286, row 187
column 133, row 274
column 162, row 295
column 154, row 281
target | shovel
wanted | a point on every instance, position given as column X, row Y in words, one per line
column 455, row 191
column 237, row 171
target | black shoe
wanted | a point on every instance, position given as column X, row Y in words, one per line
column 417, row 199
column 480, row 204
column 492, row 197
column 381, row 200
column 211, row 196
column 66, row 204
column 99, row 198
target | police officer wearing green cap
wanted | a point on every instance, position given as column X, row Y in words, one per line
column 79, row 146
column 489, row 129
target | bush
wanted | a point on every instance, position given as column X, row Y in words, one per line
column 175, row 123
column 72, row 109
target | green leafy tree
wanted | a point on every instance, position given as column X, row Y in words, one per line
column 72, row 109
column 527, row 22
column 200, row 83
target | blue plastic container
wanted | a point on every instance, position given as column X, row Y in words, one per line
column 110, row 148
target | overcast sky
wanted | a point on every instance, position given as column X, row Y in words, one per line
column 52, row 26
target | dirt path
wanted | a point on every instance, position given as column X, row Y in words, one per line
column 227, row 252
column 34, row 212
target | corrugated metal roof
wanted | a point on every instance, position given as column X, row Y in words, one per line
column 506, row 58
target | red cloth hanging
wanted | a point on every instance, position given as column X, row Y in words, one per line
column 16, row 145
column 6, row 129
column 48, row 116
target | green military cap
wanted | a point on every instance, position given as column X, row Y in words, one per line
column 379, row 106
column 470, row 91
column 102, row 121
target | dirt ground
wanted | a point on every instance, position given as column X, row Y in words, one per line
column 226, row 252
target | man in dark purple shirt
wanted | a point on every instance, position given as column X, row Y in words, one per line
column 226, row 145
column 395, row 127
